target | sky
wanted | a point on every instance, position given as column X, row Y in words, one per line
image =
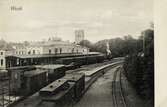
column 100, row 19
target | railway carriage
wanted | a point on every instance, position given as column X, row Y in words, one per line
column 91, row 59
column 33, row 81
column 16, row 75
column 78, row 79
column 59, row 92
column 79, row 61
column 100, row 58
column 65, row 61
column 54, row 72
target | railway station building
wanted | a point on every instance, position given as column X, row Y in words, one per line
column 38, row 52
column 50, row 47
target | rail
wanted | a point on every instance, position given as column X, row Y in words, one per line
column 117, row 91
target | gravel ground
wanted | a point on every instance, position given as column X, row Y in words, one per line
column 99, row 94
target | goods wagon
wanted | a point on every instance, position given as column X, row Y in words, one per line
column 59, row 92
column 75, row 62
column 54, row 72
column 15, row 80
column 78, row 79
column 68, row 62
column 65, row 61
column 79, row 61
column 4, row 75
column 33, row 81
column 91, row 59
column 100, row 58
column 54, row 88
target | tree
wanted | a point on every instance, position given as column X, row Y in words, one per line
column 86, row 43
column 139, row 67
column 26, row 43
column 100, row 46
column 2, row 43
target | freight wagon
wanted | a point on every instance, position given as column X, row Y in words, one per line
column 100, row 58
column 72, row 62
column 16, row 75
column 79, row 61
column 54, row 72
column 68, row 62
column 33, row 81
column 63, row 92
column 15, row 81
column 3, row 75
column 78, row 79
column 59, row 92
column 21, row 77
column 76, row 62
column 91, row 59
column 65, row 61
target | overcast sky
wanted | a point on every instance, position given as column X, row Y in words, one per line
column 100, row 19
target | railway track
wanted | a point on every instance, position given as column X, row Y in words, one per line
column 117, row 92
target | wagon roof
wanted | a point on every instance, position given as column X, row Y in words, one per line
column 54, row 85
column 54, row 66
column 33, row 72
column 74, row 77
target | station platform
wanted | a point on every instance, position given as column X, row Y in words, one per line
column 91, row 72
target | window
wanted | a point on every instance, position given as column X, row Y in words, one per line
column 29, row 52
column 72, row 50
column 56, row 50
column 17, row 62
column 60, row 50
column 33, row 51
column 1, row 53
column 1, row 62
column 50, row 51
